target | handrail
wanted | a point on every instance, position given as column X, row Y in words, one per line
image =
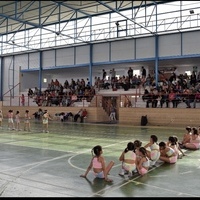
column 11, row 89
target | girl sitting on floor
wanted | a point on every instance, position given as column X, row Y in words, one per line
column 98, row 164
column 128, row 158
column 143, row 163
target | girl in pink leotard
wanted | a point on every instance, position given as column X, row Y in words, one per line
column 194, row 142
column 98, row 165
column 167, row 154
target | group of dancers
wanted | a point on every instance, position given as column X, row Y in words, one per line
column 14, row 121
column 136, row 158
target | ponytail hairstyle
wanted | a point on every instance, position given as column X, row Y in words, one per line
column 188, row 128
column 176, row 138
column 137, row 144
column 130, row 147
column 172, row 140
column 143, row 151
column 195, row 131
column 96, row 150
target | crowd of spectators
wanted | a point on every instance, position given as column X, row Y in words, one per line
column 63, row 95
column 175, row 88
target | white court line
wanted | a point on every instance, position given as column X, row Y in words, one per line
column 36, row 163
column 186, row 172
column 133, row 180
column 149, row 185
column 70, row 163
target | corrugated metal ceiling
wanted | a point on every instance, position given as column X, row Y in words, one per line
column 20, row 15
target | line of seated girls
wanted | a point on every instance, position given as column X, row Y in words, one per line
column 136, row 158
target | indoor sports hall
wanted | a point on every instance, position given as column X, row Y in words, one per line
column 118, row 62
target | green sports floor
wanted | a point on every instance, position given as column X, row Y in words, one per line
column 37, row 164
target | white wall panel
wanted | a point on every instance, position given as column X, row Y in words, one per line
column 191, row 43
column 122, row 50
column 101, row 52
column 48, row 59
column 34, row 60
column 145, row 47
column 169, row 45
column 82, row 54
column 21, row 61
column 65, row 57
column 11, row 76
column 29, row 80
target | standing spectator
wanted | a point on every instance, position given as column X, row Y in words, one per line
column 176, row 71
column 17, row 121
column 98, row 164
column 112, row 113
column 27, row 118
column 23, row 100
column 36, row 91
column 113, row 75
column 193, row 79
column 198, row 77
column 1, row 118
column 130, row 73
column 104, row 75
column 11, row 125
column 144, row 73
column 30, row 93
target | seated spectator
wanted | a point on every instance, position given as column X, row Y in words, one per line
column 61, row 116
column 83, row 115
column 106, row 84
column 196, row 99
column 67, row 115
column 189, row 98
column 164, row 98
column 155, row 98
column 38, row 114
column 173, row 99
column 145, row 96
column 149, row 98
